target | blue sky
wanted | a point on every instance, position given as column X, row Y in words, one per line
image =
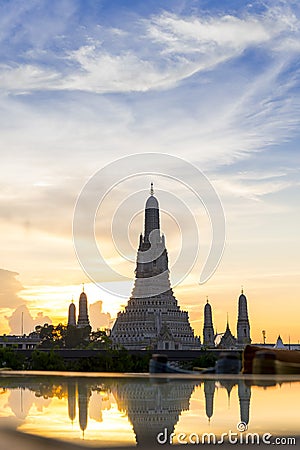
column 85, row 82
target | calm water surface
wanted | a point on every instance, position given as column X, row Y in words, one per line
column 106, row 411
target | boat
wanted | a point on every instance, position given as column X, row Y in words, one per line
column 262, row 360
column 160, row 364
column 228, row 363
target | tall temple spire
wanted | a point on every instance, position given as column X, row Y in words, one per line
column 243, row 325
column 152, row 317
column 208, row 329
column 72, row 315
column 151, row 216
column 83, row 316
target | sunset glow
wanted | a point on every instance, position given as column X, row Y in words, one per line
column 85, row 83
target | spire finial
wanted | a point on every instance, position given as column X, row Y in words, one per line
column 242, row 289
column 72, row 299
column 82, row 287
column 207, row 299
column 151, row 189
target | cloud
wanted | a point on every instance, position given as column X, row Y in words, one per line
column 32, row 24
column 21, row 319
column 10, row 288
column 9, row 299
column 241, row 106
column 214, row 88
column 98, row 319
column 253, row 191
column 211, row 35
column 26, row 77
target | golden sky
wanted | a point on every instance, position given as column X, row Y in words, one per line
column 81, row 88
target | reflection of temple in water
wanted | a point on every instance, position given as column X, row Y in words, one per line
column 244, row 393
column 83, row 392
column 228, row 384
column 72, row 401
column 153, row 406
column 209, row 392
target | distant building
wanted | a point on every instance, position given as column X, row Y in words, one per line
column 24, row 342
column 152, row 317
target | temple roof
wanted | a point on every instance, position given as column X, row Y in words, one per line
column 152, row 203
column 83, row 296
column 279, row 343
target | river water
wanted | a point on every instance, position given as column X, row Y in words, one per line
column 106, row 410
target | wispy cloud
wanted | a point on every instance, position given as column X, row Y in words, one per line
column 210, row 35
column 230, row 81
column 156, row 53
column 255, row 190
column 25, row 78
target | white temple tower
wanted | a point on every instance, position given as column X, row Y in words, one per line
column 152, row 318
column 83, row 316
column 208, row 329
column 72, row 315
column 243, row 326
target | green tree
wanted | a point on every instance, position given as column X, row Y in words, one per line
column 99, row 339
column 43, row 360
column 206, row 359
column 10, row 358
column 73, row 337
